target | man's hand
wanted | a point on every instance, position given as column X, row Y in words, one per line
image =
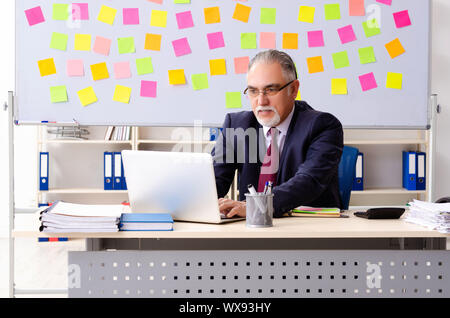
column 231, row 208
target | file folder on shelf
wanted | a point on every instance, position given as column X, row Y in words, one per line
column 421, row 171
column 409, row 170
column 358, row 182
column 124, row 182
column 108, row 165
column 117, row 171
column 43, row 171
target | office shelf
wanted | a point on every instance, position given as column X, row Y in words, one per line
column 387, row 191
column 87, row 142
column 82, row 191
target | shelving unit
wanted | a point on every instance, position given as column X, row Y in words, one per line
column 372, row 142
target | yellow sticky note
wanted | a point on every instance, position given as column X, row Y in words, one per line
column 241, row 12
column 394, row 80
column 306, row 14
column 122, row 94
column 339, row 86
column 218, row 67
column 99, row 71
column 47, row 67
column 107, row 15
column 87, row 96
column 315, row 64
column 83, row 42
column 176, row 77
column 153, row 42
column 395, row 48
column 158, row 18
column 290, row 41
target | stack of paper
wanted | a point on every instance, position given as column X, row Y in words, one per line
column 316, row 212
column 435, row 216
column 63, row 217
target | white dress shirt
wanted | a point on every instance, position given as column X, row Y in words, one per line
column 282, row 132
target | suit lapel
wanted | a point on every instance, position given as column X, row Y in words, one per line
column 288, row 141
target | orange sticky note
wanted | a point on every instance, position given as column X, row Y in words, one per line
column 218, row 67
column 47, row 67
column 395, row 48
column 241, row 12
column 153, row 42
column 99, row 71
column 315, row 64
column 176, row 77
column 290, row 41
column 212, row 15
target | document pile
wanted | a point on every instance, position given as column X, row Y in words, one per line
column 63, row 217
column 435, row 216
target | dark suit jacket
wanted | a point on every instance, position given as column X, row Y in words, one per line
column 308, row 167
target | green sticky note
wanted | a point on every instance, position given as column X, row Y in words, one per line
column 248, row 41
column 233, row 99
column 60, row 11
column 58, row 94
column 126, row 45
column 332, row 11
column 199, row 81
column 268, row 15
column 144, row 65
column 181, row 1
column 340, row 59
column 366, row 55
column 371, row 27
column 59, row 41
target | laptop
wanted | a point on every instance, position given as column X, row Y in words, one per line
column 180, row 183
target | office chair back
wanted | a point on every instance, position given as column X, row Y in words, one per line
column 347, row 174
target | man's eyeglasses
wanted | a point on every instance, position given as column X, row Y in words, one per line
column 268, row 91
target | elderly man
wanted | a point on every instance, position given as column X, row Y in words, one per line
column 301, row 147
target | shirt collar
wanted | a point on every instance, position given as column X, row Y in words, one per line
column 284, row 126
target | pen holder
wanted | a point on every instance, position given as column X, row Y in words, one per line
column 259, row 210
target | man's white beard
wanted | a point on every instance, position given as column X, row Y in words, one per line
column 272, row 122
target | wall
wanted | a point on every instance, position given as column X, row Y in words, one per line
column 25, row 172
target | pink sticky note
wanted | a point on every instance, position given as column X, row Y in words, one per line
column 347, row 34
column 130, row 16
column 80, row 11
column 148, row 88
column 75, row 68
column 402, row 19
column 267, row 40
column 181, row 47
column 315, row 39
column 34, row 16
column 122, row 70
column 241, row 64
column 356, row 8
column 184, row 20
column 215, row 40
column 156, row 1
column 102, row 45
column 368, row 82
column 388, row 2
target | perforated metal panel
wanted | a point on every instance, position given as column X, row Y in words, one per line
column 251, row 274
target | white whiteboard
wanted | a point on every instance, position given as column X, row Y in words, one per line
column 181, row 105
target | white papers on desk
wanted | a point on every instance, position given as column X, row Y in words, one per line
column 63, row 217
column 435, row 216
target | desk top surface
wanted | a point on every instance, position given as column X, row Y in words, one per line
column 292, row 227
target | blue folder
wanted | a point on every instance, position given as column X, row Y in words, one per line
column 358, row 181
column 108, row 170
column 43, row 171
column 421, row 171
column 409, row 170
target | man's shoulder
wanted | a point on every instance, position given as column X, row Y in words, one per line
column 241, row 119
column 307, row 113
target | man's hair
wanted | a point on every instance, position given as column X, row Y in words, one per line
column 275, row 56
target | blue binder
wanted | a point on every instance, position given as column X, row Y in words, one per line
column 124, row 181
column 117, row 159
column 43, row 171
column 409, row 170
column 358, row 181
column 108, row 170
column 421, row 171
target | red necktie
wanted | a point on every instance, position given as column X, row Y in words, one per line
column 269, row 168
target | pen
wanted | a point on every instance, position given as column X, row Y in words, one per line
column 269, row 188
column 265, row 187
column 251, row 189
